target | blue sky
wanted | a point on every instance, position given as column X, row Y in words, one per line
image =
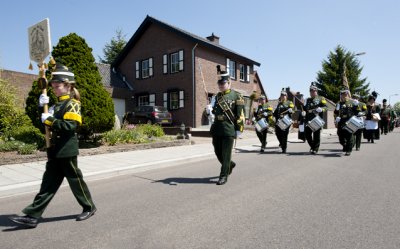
column 290, row 38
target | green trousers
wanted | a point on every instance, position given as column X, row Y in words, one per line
column 56, row 170
column 223, row 150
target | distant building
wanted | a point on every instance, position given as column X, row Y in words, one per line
column 171, row 67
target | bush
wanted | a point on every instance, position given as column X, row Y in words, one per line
column 26, row 134
column 133, row 134
column 21, row 147
column 151, row 130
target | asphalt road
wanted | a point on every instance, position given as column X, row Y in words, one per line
column 271, row 200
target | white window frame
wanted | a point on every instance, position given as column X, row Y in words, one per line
column 143, row 100
column 145, row 69
column 174, row 58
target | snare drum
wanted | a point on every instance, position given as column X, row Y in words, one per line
column 354, row 124
column 284, row 122
column 261, row 125
column 316, row 123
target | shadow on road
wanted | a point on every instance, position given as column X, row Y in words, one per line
column 186, row 180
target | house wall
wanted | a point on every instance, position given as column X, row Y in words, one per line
column 22, row 83
column 154, row 43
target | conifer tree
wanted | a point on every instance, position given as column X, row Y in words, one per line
column 330, row 78
column 97, row 106
column 114, row 48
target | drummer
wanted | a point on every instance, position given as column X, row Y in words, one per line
column 361, row 108
column 283, row 110
column 345, row 110
column 262, row 115
column 314, row 106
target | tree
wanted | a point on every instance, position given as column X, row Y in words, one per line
column 396, row 108
column 114, row 48
column 97, row 105
column 341, row 64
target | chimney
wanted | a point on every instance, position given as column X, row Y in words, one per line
column 213, row 38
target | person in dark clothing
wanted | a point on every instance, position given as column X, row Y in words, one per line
column 63, row 119
column 228, row 124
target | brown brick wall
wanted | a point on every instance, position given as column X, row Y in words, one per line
column 22, row 83
column 156, row 42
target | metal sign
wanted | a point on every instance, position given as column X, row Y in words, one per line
column 39, row 41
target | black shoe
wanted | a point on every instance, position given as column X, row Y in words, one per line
column 316, row 150
column 26, row 220
column 312, row 151
column 262, row 150
column 284, row 151
column 222, row 180
column 357, row 149
column 86, row 215
column 347, row 154
column 233, row 165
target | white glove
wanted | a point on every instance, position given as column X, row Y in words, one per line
column 253, row 119
column 290, row 110
column 45, row 116
column 319, row 109
column 43, row 100
column 337, row 119
column 337, row 107
column 303, row 113
column 51, row 110
column 238, row 133
column 265, row 114
column 355, row 102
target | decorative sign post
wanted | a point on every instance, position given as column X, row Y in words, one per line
column 39, row 49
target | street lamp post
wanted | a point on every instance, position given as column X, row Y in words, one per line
column 392, row 95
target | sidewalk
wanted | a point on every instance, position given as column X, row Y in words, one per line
column 23, row 178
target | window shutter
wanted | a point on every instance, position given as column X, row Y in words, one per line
column 248, row 74
column 227, row 65
column 165, row 99
column 181, row 99
column 180, row 60
column 165, row 63
column 137, row 70
column 150, row 67
column 152, row 99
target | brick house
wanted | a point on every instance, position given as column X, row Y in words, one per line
column 171, row 67
column 22, row 83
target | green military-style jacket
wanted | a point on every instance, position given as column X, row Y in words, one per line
column 312, row 104
column 261, row 109
column 282, row 109
column 226, row 123
column 63, row 124
column 345, row 110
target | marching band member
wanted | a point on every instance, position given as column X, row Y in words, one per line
column 345, row 109
column 63, row 121
column 228, row 124
column 361, row 108
column 372, row 118
column 315, row 105
column 284, row 107
column 263, row 111
column 385, row 117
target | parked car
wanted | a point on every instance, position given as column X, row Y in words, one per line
column 147, row 114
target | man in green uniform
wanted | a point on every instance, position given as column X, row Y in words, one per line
column 283, row 116
column 385, row 117
column 315, row 105
column 361, row 108
column 63, row 119
column 228, row 124
column 262, row 114
column 345, row 109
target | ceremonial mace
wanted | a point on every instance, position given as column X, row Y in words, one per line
column 39, row 49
